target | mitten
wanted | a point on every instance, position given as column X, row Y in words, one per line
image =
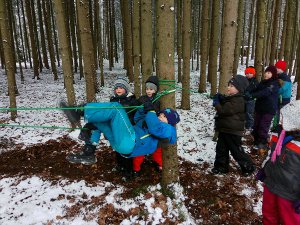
column 260, row 175
column 216, row 99
column 148, row 106
column 296, row 206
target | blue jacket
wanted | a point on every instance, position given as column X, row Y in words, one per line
column 126, row 139
column 148, row 132
column 285, row 90
column 266, row 94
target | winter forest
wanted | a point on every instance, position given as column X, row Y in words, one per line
column 76, row 51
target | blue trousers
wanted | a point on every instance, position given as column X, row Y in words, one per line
column 113, row 122
column 250, row 105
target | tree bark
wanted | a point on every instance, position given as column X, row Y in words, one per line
column 252, row 19
column 274, row 35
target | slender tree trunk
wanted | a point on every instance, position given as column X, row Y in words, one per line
column 289, row 30
column 64, row 46
column 54, row 34
column 136, row 47
column 179, row 39
column 165, row 64
column 228, row 43
column 284, row 28
column 238, row 39
column 21, row 34
column 47, row 19
column 32, row 41
column 204, row 43
column 26, row 35
column 274, row 35
column 73, row 34
column 254, row 37
column 128, row 45
column 99, row 42
column 146, row 39
column 243, row 36
column 261, row 19
column 186, row 52
column 8, row 56
column 1, row 51
column 42, row 34
column 113, row 28
column 213, row 50
column 198, row 36
column 87, row 52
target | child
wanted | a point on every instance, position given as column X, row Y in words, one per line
column 250, row 103
column 266, row 104
column 285, row 90
column 126, row 139
column 231, row 121
column 280, row 174
column 152, row 86
column 123, row 95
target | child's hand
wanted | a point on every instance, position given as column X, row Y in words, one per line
column 297, row 206
column 216, row 99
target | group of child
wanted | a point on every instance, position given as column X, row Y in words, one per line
column 258, row 104
column 132, row 132
column 248, row 104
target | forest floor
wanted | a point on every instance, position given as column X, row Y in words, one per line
column 214, row 200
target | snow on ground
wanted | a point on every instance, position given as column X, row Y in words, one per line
column 36, row 201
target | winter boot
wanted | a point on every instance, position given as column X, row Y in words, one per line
column 248, row 169
column 72, row 114
column 86, row 156
column 219, row 170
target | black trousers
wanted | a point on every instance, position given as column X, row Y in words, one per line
column 233, row 144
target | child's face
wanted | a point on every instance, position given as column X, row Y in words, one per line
column 163, row 118
column 150, row 92
column 231, row 90
column 267, row 75
column 279, row 71
column 120, row 91
column 249, row 75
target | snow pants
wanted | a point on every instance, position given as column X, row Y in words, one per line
column 233, row 144
column 156, row 156
column 277, row 210
column 250, row 105
column 111, row 120
column 262, row 123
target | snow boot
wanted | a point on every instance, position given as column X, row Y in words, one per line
column 73, row 115
column 86, row 156
column 219, row 170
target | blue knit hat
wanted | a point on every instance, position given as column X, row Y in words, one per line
column 172, row 116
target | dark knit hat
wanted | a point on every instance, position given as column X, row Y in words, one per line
column 273, row 70
column 172, row 116
column 281, row 64
column 240, row 82
column 153, row 83
column 123, row 83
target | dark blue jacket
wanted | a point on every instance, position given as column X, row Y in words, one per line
column 253, row 83
column 266, row 94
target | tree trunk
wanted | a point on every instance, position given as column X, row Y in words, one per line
column 252, row 19
column 47, row 19
column 42, row 34
column 261, row 19
column 21, row 34
column 73, row 34
column 114, row 33
column 128, row 45
column 27, row 47
column 274, row 35
column 179, row 39
column 238, row 39
column 165, row 64
column 213, row 50
column 99, row 42
column 289, row 30
column 284, row 28
column 87, row 52
column 186, row 52
column 64, row 46
column 146, row 39
column 297, row 79
column 32, row 41
column 54, row 34
column 8, row 57
column 228, row 43
column 136, row 47
column 204, row 43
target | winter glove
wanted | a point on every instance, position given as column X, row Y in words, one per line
column 248, row 96
column 260, row 175
column 296, row 206
column 148, row 106
column 216, row 99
